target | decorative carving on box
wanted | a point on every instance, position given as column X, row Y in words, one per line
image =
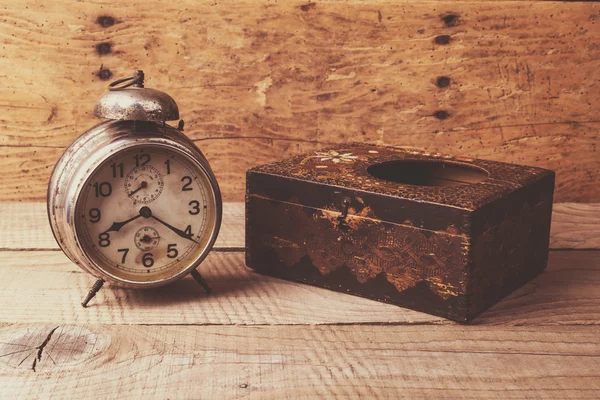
column 403, row 226
column 401, row 255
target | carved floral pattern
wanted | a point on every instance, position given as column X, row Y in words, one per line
column 405, row 254
column 331, row 156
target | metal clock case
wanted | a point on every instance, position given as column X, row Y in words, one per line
column 137, row 184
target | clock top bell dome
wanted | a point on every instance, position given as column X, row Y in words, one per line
column 128, row 99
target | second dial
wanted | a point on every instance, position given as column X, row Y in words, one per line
column 144, row 184
column 146, row 238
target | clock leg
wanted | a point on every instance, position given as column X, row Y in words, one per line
column 97, row 286
column 200, row 280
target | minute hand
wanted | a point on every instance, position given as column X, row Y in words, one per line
column 177, row 231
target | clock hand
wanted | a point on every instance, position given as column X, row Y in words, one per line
column 116, row 226
column 148, row 239
column 177, row 231
column 147, row 213
column 143, row 185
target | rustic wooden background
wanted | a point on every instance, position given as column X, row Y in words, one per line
column 260, row 80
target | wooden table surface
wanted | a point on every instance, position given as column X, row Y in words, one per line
column 260, row 337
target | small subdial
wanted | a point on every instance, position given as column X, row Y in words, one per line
column 146, row 238
column 144, row 184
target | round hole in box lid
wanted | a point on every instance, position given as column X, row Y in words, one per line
column 427, row 173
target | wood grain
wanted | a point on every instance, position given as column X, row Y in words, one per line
column 563, row 294
column 308, row 362
column 575, row 226
column 24, row 226
column 260, row 337
column 45, row 287
column 257, row 81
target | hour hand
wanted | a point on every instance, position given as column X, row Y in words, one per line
column 116, row 226
column 176, row 230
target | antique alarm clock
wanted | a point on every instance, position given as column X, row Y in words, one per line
column 133, row 201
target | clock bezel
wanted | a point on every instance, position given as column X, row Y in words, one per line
column 82, row 159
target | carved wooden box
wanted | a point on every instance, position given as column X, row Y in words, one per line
column 445, row 235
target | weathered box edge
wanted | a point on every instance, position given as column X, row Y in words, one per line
column 540, row 192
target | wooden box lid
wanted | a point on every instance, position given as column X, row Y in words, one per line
column 428, row 190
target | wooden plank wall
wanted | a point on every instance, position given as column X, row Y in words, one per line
column 258, row 80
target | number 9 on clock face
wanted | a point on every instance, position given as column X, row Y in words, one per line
column 145, row 214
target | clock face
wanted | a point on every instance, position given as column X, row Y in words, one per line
column 146, row 214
